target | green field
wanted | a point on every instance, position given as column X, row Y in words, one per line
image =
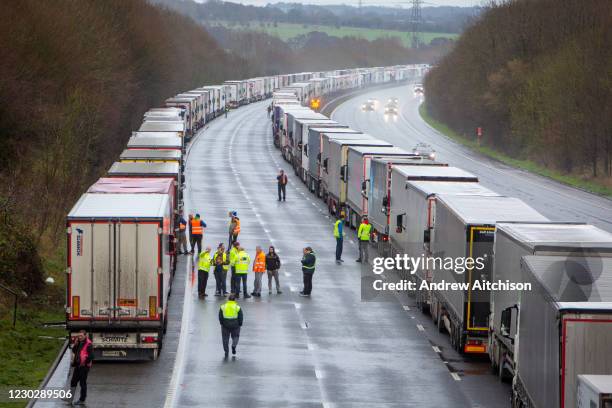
column 287, row 31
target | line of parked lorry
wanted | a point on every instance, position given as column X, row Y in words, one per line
column 121, row 253
column 555, row 341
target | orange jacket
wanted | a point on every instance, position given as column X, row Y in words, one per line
column 260, row 262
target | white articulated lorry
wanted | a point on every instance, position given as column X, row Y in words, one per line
column 119, row 269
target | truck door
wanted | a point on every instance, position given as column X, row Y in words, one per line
column 136, row 275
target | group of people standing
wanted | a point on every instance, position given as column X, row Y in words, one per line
column 238, row 261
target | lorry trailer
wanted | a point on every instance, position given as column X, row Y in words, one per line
column 119, row 270
column 465, row 228
column 512, row 242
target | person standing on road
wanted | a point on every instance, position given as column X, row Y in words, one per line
column 243, row 261
column 234, row 228
column 221, row 264
column 203, row 269
column 308, row 268
column 197, row 232
column 191, row 241
column 233, row 256
column 269, row 110
column 339, row 235
column 272, row 266
column 82, row 358
column 363, row 235
column 282, row 184
column 182, row 235
column 259, row 267
column 231, row 318
column 226, row 110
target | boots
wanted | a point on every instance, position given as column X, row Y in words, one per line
column 71, row 397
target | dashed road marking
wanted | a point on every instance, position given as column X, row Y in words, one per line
column 406, row 307
column 455, row 376
column 436, row 349
column 420, row 327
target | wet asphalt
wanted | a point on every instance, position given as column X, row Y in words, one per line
column 334, row 349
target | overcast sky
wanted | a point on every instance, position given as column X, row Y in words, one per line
column 390, row 3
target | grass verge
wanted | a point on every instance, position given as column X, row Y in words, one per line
column 524, row 164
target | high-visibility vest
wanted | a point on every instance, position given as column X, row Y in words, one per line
column 233, row 256
column 196, row 227
column 364, row 232
column 237, row 227
column 225, row 267
column 337, row 228
column 230, row 309
column 204, row 262
column 260, row 262
column 242, row 263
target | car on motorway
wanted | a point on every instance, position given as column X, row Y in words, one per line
column 391, row 110
column 424, row 149
column 418, row 89
column 368, row 106
column 393, row 101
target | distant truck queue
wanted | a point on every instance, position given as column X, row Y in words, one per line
column 554, row 342
column 121, row 234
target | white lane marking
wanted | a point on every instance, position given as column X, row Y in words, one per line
column 406, row 307
column 319, row 374
column 436, row 349
column 312, row 347
column 455, row 376
column 420, row 327
column 297, row 305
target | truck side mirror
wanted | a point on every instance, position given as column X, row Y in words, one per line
column 385, row 204
column 344, row 173
column 427, row 236
column 306, row 149
column 182, row 179
column 508, row 320
column 319, row 158
column 325, row 165
column 399, row 223
column 364, row 188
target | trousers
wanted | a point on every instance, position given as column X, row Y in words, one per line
column 243, row 277
column 363, row 251
column 79, row 376
column 257, row 283
column 307, row 282
column 226, row 334
column 196, row 240
column 220, row 283
column 202, row 281
column 282, row 189
column 339, row 244
column 182, row 242
column 273, row 274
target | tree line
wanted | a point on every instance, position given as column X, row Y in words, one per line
column 536, row 75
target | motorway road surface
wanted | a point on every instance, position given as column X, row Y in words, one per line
column 332, row 350
column 554, row 200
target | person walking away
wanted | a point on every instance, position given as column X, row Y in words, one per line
column 272, row 266
column 197, row 231
column 233, row 256
column 234, row 228
column 203, row 269
column 221, row 263
column 339, row 235
column 308, row 268
column 182, row 236
column 269, row 110
column 243, row 261
column 282, row 184
column 231, row 318
column 259, row 267
column 363, row 234
column 82, row 358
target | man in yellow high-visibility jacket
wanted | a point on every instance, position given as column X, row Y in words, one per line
column 230, row 317
column 363, row 235
column 339, row 235
column 243, row 261
column 203, row 269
